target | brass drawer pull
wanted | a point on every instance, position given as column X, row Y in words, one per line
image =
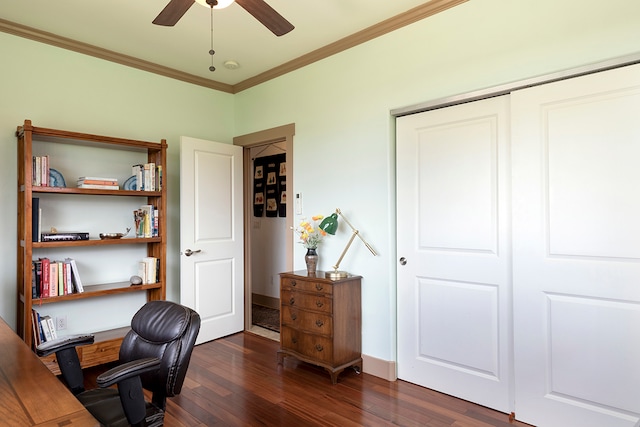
column 319, row 347
column 319, row 286
column 292, row 301
column 319, row 323
column 294, row 316
column 319, row 303
column 293, row 283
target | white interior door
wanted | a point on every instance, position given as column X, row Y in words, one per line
column 454, row 292
column 211, row 231
column 576, row 229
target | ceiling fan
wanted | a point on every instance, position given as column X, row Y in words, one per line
column 260, row 10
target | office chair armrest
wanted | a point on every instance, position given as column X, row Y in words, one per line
column 62, row 343
column 127, row 370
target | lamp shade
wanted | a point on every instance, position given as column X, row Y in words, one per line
column 330, row 224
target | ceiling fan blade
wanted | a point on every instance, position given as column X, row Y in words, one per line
column 267, row 16
column 172, row 12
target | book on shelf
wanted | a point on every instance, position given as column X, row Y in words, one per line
column 68, row 283
column 159, row 177
column 52, row 327
column 40, row 171
column 75, row 275
column 148, row 270
column 64, row 236
column 100, row 186
column 44, row 323
column 53, row 278
column 149, row 176
column 44, row 286
column 34, row 282
column 62, row 276
column 36, row 215
column 36, row 328
column 97, row 180
column 43, row 328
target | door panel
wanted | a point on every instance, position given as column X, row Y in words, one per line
column 211, row 225
column 576, row 146
column 454, row 292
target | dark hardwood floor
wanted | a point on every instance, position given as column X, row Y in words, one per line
column 235, row 381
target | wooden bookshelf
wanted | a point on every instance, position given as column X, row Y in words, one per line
column 107, row 342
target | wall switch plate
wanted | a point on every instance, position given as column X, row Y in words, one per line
column 298, row 203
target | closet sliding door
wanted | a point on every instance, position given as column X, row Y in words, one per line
column 519, row 251
column 454, row 283
column 576, row 250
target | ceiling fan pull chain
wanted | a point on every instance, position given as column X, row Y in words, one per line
column 211, row 51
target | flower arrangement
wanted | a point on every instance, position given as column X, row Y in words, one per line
column 310, row 233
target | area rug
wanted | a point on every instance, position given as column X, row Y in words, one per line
column 265, row 317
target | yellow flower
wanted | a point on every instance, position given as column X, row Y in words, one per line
column 310, row 234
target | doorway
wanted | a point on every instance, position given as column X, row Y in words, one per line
column 265, row 255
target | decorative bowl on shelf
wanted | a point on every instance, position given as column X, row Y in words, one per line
column 56, row 179
column 105, row 236
column 130, row 183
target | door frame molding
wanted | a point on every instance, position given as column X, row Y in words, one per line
column 280, row 134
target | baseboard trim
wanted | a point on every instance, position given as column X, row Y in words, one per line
column 384, row 369
column 266, row 301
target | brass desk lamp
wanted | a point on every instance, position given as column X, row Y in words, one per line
column 330, row 225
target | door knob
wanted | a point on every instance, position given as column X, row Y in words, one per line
column 403, row 261
column 189, row 252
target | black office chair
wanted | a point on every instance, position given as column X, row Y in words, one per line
column 154, row 355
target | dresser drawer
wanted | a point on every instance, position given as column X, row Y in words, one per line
column 306, row 301
column 310, row 321
column 316, row 347
column 289, row 284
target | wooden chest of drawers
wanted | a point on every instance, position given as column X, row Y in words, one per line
column 321, row 321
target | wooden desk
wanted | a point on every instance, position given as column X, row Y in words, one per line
column 30, row 395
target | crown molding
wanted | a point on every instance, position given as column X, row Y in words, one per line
column 108, row 55
column 409, row 17
column 413, row 15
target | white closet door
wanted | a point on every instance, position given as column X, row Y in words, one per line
column 576, row 248
column 454, row 292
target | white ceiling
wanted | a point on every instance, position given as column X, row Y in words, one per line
column 125, row 27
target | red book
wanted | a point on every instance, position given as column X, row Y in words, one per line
column 44, row 291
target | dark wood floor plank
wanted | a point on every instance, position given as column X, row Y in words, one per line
column 236, row 381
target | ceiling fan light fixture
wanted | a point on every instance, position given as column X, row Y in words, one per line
column 221, row 3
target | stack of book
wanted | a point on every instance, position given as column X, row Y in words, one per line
column 44, row 328
column 50, row 278
column 40, row 171
column 149, row 269
column 98, row 183
column 148, row 176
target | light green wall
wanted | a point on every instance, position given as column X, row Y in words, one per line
column 60, row 89
column 344, row 143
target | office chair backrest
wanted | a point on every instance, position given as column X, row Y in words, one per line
column 168, row 331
